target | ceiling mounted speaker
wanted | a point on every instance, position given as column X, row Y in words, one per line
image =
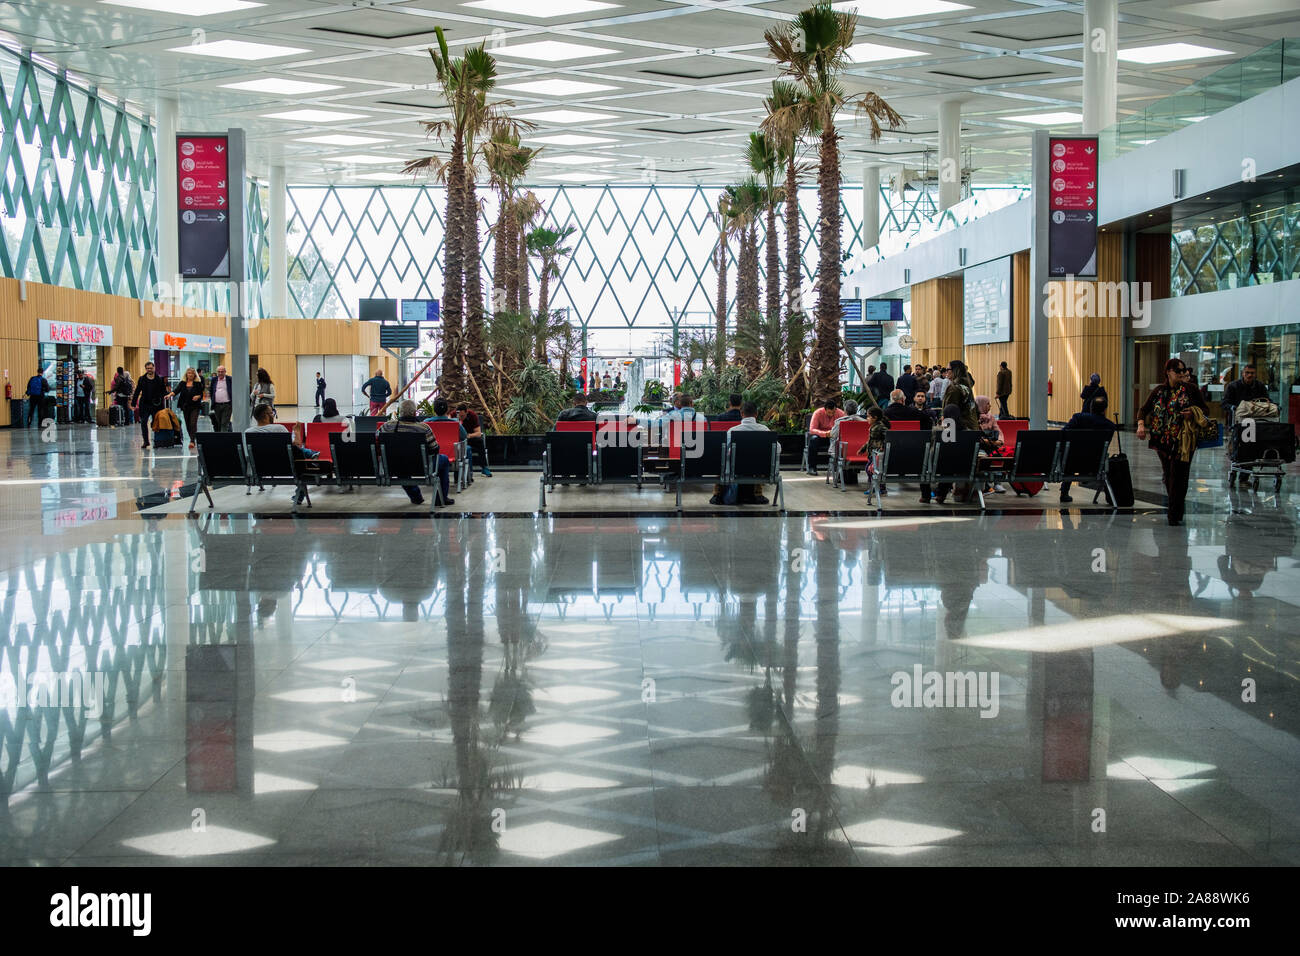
column 1180, row 178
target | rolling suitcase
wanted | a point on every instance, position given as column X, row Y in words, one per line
column 117, row 416
column 1120, row 478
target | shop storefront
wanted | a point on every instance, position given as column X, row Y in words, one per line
column 174, row 352
column 69, row 350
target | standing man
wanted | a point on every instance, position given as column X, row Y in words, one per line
column 84, row 388
column 221, row 392
column 320, row 389
column 881, row 384
column 151, row 394
column 38, row 386
column 377, row 391
column 938, row 385
column 1004, row 390
column 907, row 382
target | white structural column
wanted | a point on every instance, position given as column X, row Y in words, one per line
column 168, row 267
column 870, row 206
column 949, row 154
column 277, row 241
column 1100, row 64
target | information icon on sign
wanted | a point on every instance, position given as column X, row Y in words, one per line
column 1058, row 217
column 188, row 216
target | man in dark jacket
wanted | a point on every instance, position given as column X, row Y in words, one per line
column 899, row 410
column 907, row 382
column 377, row 391
column 1092, row 391
column 320, row 389
column 1096, row 421
column 881, row 384
column 732, row 414
column 38, row 387
column 579, row 412
column 1003, row 390
column 151, row 394
column 1247, row 388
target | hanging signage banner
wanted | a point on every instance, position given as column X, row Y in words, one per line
column 203, row 200
column 73, row 333
column 186, row 342
column 1072, row 201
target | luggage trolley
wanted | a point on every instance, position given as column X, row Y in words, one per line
column 1265, row 457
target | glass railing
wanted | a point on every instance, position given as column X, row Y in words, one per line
column 1262, row 70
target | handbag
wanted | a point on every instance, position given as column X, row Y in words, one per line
column 1260, row 408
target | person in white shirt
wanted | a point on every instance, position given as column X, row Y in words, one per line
column 749, row 423
column 221, row 393
column 938, row 387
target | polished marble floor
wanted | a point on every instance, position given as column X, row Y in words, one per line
column 639, row 689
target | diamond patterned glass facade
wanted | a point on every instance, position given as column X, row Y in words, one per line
column 77, row 184
column 1249, row 243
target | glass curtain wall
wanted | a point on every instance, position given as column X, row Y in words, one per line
column 1254, row 242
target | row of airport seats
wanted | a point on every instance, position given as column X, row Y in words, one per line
column 351, row 454
column 693, row 453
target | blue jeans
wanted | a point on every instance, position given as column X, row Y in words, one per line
column 443, row 472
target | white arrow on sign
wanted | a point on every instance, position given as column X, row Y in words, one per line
column 1091, row 185
column 221, row 149
column 221, row 217
column 1089, row 200
column 1089, row 217
column 222, row 185
column 1089, row 150
column 221, row 200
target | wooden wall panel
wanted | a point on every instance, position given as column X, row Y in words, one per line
column 1085, row 340
column 984, row 360
column 936, row 321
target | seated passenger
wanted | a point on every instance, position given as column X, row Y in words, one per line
column 1095, row 420
column 474, row 435
column 850, row 415
column 921, row 404
column 898, row 410
column 408, row 422
column 819, row 430
column 264, row 416
column 329, row 412
column 732, row 414
column 876, row 440
column 579, row 412
column 749, row 494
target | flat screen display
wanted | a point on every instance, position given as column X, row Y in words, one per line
column 419, row 310
column 377, row 310
column 987, row 313
column 884, row 310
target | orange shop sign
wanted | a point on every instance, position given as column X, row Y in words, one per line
column 184, row 342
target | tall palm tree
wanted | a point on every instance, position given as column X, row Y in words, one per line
column 548, row 245
column 527, row 210
column 786, row 132
column 745, row 211
column 723, row 215
column 764, row 160
column 507, row 162
column 812, row 49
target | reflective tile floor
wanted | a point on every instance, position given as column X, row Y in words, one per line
column 1034, row 688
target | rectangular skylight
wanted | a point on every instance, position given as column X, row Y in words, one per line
column 575, row 177
column 540, row 9
column 186, row 8
column 875, row 52
column 314, row 116
column 385, row 177
column 280, row 87
column 893, row 10
column 570, row 139
column 557, row 87
column 568, row 116
column 365, row 159
column 573, row 159
column 1170, row 53
column 341, row 139
column 1063, row 118
column 552, row 51
column 237, row 50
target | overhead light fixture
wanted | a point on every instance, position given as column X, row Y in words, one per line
column 573, row 159
column 558, row 87
column 568, row 116
column 237, row 50
column 341, row 139
column 875, row 52
column 893, row 10
column 280, row 87
column 364, row 159
column 570, row 139
column 384, row 177
column 540, row 9
column 552, row 51
column 575, row 177
column 1170, row 53
column 314, row 116
column 1063, row 118
column 186, row 8
column 1193, row 119
column 1143, row 142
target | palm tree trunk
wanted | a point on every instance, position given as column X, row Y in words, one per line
column 475, row 351
column 523, row 303
column 452, row 382
column 825, row 364
column 512, row 261
column 720, row 312
column 753, row 321
column 500, row 250
column 794, row 330
column 773, row 266
column 544, row 291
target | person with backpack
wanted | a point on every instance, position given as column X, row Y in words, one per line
column 38, row 387
column 121, row 388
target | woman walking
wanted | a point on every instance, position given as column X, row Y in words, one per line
column 189, row 402
column 1169, row 418
column 263, row 391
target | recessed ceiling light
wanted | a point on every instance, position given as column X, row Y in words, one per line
column 280, row 87
column 1063, row 118
column 341, row 139
column 540, row 9
column 237, row 50
column 1170, row 53
column 570, row 139
column 575, row 177
column 875, row 52
column 1143, row 142
column 568, row 116
column 314, row 116
column 893, row 10
column 551, row 51
column 573, row 159
column 1193, row 119
column 557, row 87
column 186, row 8
column 364, row 160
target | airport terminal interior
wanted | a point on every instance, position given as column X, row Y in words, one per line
column 652, row 432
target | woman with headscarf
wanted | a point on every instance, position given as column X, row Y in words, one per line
column 991, row 440
column 1169, row 418
column 1091, row 391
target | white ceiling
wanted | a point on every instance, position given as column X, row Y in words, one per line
column 688, row 78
